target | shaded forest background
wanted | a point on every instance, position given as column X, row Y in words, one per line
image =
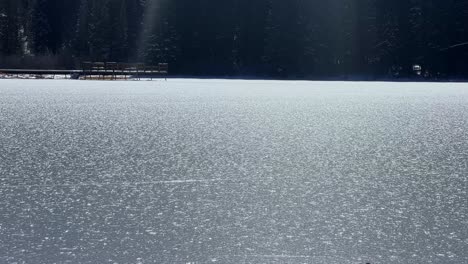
column 343, row 39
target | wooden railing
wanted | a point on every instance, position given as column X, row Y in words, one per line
column 115, row 70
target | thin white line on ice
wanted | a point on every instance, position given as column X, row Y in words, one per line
column 271, row 256
column 111, row 183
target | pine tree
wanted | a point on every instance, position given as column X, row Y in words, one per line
column 100, row 30
column 280, row 38
column 134, row 14
column 160, row 37
column 119, row 33
column 367, row 38
column 81, row 39
column 40, row 27
column 12, row 27
column 3, row 27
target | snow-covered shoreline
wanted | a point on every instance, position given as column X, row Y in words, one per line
column 34, row 76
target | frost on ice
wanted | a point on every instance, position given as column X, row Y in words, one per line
column 200, row 171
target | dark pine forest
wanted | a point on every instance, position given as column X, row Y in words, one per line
column 310, row 39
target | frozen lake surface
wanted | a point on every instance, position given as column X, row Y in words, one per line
column 201, row 171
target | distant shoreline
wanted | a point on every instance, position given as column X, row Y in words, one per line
column 4, row 76
column 130, row 79
column 78, row 75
